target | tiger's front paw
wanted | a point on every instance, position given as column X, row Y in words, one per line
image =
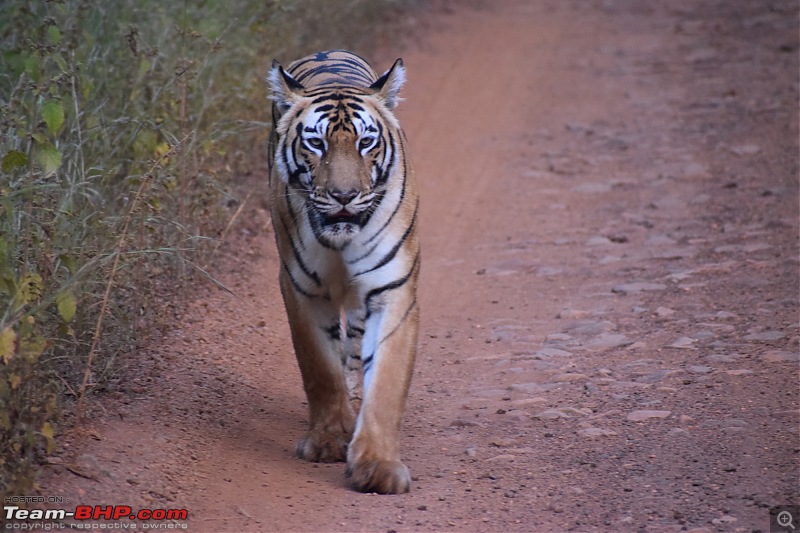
column 323, row 447
column 383, row 477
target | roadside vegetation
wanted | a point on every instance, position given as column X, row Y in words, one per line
column 123, row 127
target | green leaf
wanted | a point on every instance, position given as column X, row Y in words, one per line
column 7, row 344
column 54, row 34
column 14, row 159
column 48, row 157
column 60, row 61
column 32, row 67
column 144, row 66
column 145, row 144
column 53, row 115
column 69, row 262
column 48, row 433
column 30, row 288
column 67, row 305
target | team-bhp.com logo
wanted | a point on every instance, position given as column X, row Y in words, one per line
column 93, row 517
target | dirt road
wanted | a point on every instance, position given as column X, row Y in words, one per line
column 609, row 296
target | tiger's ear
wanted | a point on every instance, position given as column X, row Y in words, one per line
column 285, row 89
column 387, row 87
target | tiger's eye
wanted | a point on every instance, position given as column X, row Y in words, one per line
column 365, row 142
column 315, row 142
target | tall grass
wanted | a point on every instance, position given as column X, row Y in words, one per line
column 122, row 126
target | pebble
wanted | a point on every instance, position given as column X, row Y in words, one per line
column 677, row 252
column 575, row 314
column 724, row 520
column 638, row 416
column 623, row 385
column 683, row 343
column 777, row 356
column 528, row 402
column 745, row 149
column 598, row 241
column 663, row 312
column 765, row 336
column 546, row 353
column 593, row 188
column 531, row 388
column 568, row 377
column 502, row 442
column 739, row 372
column 677, row 432
column 660, row 375
column 636, row 287
column 461, row 423
column 726, row 423
column 551, row 414
column 588, row 328
column 699, row 369
column 607, row 341
column 506, row 457
column 722, row 358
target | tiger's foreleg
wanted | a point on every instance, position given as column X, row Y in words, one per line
column 388, row 353
column 318, row 351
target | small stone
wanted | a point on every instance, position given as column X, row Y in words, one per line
column 683, row 343
column 529, row 388
column 575, row 314
column 575, row 411
column 722, row 358
column 732, row 431
column 546, row 353
column 598, row 241
column 502, row 442
column 607, row 341
column 745, row 149
column 551, row 414
column 636, row 287
column 724, row 520
column 638, row 416
column 663, row 312
column 765, row 336
column 739, row 372
column 699, row 369
column 776, row 356
column 564, row 378
column 503, row 458
column 461, row 423
column 528, row 402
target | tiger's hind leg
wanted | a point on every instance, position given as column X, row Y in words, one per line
column 313, row 322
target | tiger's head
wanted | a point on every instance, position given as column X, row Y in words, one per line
column 334, row 147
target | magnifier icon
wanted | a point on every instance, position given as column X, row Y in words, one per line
column 784, row 519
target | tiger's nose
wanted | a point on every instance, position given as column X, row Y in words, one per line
column 343, row 197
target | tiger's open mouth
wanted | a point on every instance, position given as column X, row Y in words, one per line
column 344, row 217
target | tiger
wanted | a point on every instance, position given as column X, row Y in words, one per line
column 344, row 205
